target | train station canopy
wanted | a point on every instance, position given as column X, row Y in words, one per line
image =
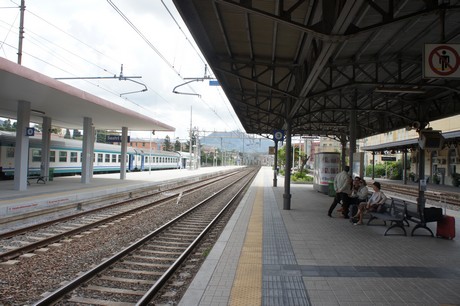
column 320, row 64
column 64, row 104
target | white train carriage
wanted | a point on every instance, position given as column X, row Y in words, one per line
column 66, row 157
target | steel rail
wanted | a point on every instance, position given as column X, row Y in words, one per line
column 26, row 229
column 55, row 238
column 60, row 293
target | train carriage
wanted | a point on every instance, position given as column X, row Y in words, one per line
column 66, row 157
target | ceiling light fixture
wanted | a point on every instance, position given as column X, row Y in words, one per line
column 400, row 90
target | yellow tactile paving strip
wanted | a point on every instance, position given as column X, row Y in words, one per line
column 247, row 286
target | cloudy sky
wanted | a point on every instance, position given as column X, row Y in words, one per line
column 93, row 38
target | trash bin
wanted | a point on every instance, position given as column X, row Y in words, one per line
column 331, row 189
column 51, row 174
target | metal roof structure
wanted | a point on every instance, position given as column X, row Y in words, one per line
column 64, row 104
column 319, row 65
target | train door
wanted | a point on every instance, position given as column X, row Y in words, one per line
column 130, row 162
column 142, row 157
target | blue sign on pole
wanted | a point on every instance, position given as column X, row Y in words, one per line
column 30, row 131
column 214, row 83
column 278, row 135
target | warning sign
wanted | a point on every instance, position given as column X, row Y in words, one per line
column 441, row 61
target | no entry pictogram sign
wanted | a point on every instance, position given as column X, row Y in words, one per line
column 442, row 61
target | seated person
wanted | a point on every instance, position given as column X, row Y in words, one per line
column 377, row 198
column 358, row 195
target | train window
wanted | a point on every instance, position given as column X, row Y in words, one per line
column 100, row 157
column 118, row 158
column 107, row 158
column 63, row 156
column 52, row 156
column 10, row 152
column 114, row 158
column 73, row 157
column 36, row 155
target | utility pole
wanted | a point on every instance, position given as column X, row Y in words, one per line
column 190, row 146
column 21, row 31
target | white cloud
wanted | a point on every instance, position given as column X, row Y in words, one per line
column 88, row 38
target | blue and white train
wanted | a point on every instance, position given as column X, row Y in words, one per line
column 66, row 157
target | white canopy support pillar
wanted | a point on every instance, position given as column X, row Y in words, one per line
column 87, row 151
column 93, row 142
column 124, row 144
column 46, row 145
column 21, row 152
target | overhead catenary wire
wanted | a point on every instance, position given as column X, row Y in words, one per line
column 142, row 36
column 46, row 42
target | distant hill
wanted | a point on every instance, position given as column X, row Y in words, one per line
column 236, row 141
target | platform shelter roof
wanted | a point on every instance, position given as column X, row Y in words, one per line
column 322, row 64
column 64, row 104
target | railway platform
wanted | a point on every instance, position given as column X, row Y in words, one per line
column 69, row 189
column 270, row 256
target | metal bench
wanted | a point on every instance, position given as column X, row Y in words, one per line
column 395, row 213
column 422, row 217
column 39, row 178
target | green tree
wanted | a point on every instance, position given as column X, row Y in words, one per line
column 187, row 144
column 101, row 136
column 391, row 170
column 76, row 134
column 304, row 159
column 67, row 134
column 167, row 144
column 281, row 157
column 8, row 126
column 177, row 145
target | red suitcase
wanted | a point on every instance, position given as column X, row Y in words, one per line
column 446, row 227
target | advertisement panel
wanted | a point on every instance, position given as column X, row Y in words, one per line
column 327, row 165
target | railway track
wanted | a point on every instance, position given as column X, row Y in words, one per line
column 31, row 238
column 452, row 199
column 134, row 275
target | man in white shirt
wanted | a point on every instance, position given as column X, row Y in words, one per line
column 342, row 186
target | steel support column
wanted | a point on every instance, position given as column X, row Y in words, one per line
column 275, row 170
column 353, row 125
column 287, row 170
column 46, row 145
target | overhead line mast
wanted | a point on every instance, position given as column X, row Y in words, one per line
column 21, row 31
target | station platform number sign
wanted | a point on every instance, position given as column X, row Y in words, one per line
column 388, row 158
column 441, row 61
column 278, row 135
